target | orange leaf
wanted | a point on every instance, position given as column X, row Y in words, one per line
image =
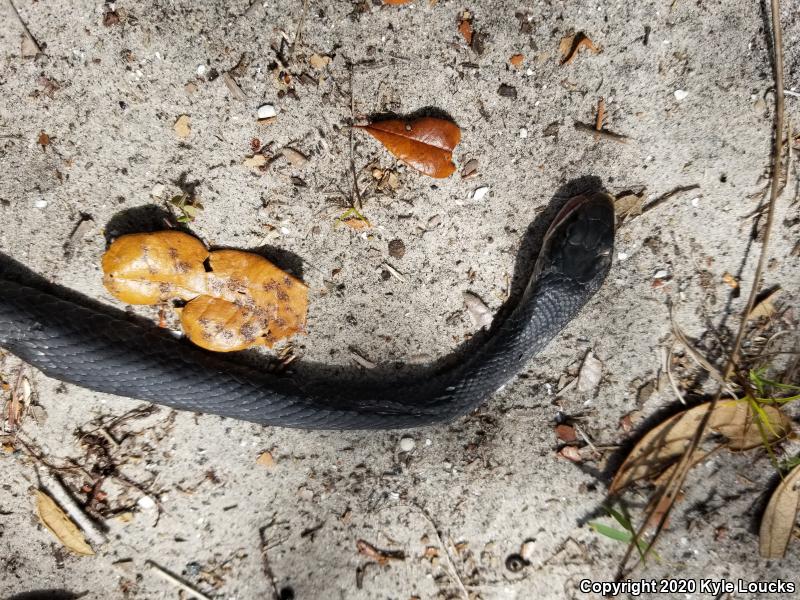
column 570, row 46
column 395, row 2
column 516, row 60
column 425, row 144
column 465, row 29
column 235, row 299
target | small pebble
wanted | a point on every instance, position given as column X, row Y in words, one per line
column 622, row 256
column 523, row 133
column 146, row 503
column 40, row 204
column 397, row 248
column 407, row 444
column 695, row 202
column 266, row 111
column 661, row 274
column 480, row 193
column 680, row 95
column 201, row 70
column 158, row 191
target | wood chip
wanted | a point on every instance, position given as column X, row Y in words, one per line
column 182, row 126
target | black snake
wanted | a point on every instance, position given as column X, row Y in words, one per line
column 89, row 348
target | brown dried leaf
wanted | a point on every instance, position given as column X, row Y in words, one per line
column 256, row 161
column 465, row 29
column 778, row 521
column 667, row 441
column 319, row 61
column 629, row 204
column 235, row 299
column 266, row 459
column 61, row 526
column 182, row 126
column 566, row 433
column 571, row 453
column 425, row 144
column 43, row 140
column 730, row 280
column 356, row 223
column 571, row 44
column 378, row 555
column 765, row 306
column 516, row 60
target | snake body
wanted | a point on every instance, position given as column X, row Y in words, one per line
column 101, row 352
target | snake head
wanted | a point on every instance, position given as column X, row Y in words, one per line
column 580, row 242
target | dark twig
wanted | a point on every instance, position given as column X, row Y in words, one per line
column 602, row 133
column 665, row 197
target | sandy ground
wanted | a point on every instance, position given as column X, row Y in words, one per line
column 107, row 91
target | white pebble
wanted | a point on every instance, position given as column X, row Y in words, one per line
column 695, row 202
column 680, row 95
column 480, row 192
column 661, row 274
column 40, row 204
column 428, row 442
column 407, row 444
column 158, row 191
column 523, row 133
column 201, row 70
column 146, row 503
column 622, row 255
column 266, row 111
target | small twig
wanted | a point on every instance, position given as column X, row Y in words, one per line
column 176, row 581
column 299, row 35
column 57, row 491
column 25, row 29
column 262, row 534
column 356, row 193
column 601, row 133
column 665, row 197
column 361, row 360
column 394, row 272
column 601, row 113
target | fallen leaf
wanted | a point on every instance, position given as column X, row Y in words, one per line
column 295, row 157
column 571, row 453
column 266, row 459
column 667, row 441
column 566, row 433
column 730, row 280
column 255, row 161
column 356, row 223
column 465, row 27
column 470, row 169
column 425, row 144
column 61, row 526
column 516, row 60
column 571, row 44
column 477, row 309
column 777, row 524
column 28, row 47
column 235, row 299
column 182, row 126
column 591, row 372
column 319, row 62
column 395, row 2
column 43, row 140
column 764, row 307
column 378, row 555
column 629, row 204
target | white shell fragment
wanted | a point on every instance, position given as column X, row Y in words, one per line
column 680, row 95
column 591, row 371
column 407, row 444
column 266, row 111
column 480, row 193
column 477, row 309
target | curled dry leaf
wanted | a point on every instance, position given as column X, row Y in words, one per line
column 778, row 521
column 628, row 204
column 378, row 555
column 571, row 44
column 425, row 144
column 465, row 27
column 667, row 441
column 235, row 299
column 765, row 307
column 60, row 525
